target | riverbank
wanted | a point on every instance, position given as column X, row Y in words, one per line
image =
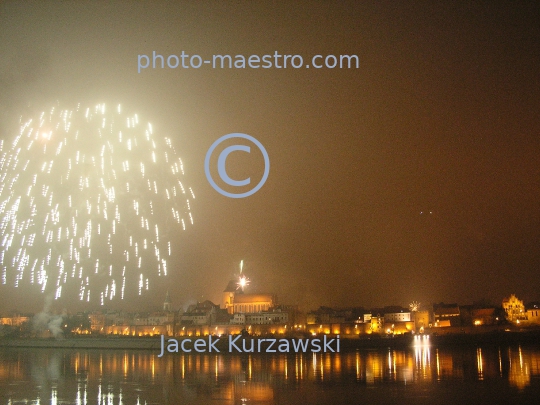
column 143, row 343
column 346, row 344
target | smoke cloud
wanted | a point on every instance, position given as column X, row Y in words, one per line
column 46, row 320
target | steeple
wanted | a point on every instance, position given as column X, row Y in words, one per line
column 167, row 303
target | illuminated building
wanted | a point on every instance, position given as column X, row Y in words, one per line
column 235, row 300
column 15, row 320
column 446, row 315
column 238, row 319
column 533, row 314
column 97, row 321
column 377, row 324
column 514, row 308
column 267, row 317
column 228, row 296
column 397, row 317
column 202, row 313
column 249, row 303
column 422, row 320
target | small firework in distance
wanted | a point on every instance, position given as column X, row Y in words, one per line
column 414, row 306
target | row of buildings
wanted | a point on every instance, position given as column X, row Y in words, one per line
column 260, row 314
column 433, row 318
column 238, row 311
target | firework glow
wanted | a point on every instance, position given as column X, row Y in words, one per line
column 88, row 199
column 243, row 281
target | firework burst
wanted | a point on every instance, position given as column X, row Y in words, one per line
column 88, row 198
column 243, row 281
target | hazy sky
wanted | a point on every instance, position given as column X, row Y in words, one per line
column 414, row 177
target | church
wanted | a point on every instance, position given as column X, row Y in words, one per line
column 236, row 301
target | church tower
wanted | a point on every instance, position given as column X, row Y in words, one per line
column 228, row 296
column 167, row 305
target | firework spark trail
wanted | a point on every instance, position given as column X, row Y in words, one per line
column 87, row 200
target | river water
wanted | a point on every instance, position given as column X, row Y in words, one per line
column 417, row 375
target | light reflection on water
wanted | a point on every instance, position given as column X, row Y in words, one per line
column 111, row 377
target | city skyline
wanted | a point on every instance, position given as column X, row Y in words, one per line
column 237, row 286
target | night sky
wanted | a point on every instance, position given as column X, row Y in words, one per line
column 414, row 177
